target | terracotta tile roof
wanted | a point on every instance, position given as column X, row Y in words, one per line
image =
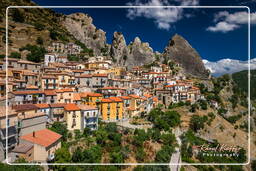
column 84, row 76
column 49, row 77
column 170, row 85
column 44, row 137
column 50, row 92
column 71, row 107
column 57, row 105
column 25, row 107
column 124, row 97
column 67, row 90
column 100, row 75
column 147, row 95
column 134, row 96
column 155, row 99
column 27, row 92
column 27, row 62
column 115, row 99
column 86, row 107
column 106, row 101
column 59, row 91
column 76, row 96
column 91, row 94
column 195, row 88
column 23, row 148
column 110, row 88
column 31, row 87
column 42, row 105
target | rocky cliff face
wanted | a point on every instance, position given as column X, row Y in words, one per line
column 136, row 53
column 180, row 51
column 81, row 26
column 119, row 50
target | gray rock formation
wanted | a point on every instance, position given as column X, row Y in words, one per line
column 136, row 53
column 180, row 51
column 81, row 27
column 118, row 49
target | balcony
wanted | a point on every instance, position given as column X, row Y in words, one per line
column 12, row 132
column 50, row 157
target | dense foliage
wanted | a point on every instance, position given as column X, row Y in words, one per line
column 241, row 83
column 164, row 120
column 36, row 52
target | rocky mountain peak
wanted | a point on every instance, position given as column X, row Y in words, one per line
column 81, row 26
column 180, row 51
column 137, row 40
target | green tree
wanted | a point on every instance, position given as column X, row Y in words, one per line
column 15, row 55
column 101, row 136
column 36, row 52
column 92, row 155
column 54, row 35
column 39, row 40
column 168, row 138
column 197, row 122
column 140, row 154
column 164, row 155
column 77, row 134
column 18, row 16
column 60, row 128
column 62, row 155
column 77, row 155
column 39, row 26
column 253, row 164
column 116, row 157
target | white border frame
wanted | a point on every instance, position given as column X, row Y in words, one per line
column 124, row 164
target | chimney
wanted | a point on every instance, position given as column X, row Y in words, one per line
column 34, row 134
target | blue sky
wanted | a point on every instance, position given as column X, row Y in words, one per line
column 215, row 33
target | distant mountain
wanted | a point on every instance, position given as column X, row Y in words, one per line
column 228, row 66
column 180, row 51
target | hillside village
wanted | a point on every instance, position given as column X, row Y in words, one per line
column 79, row 94
column 71, row 97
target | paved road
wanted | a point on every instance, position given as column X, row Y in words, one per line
column 176, row 155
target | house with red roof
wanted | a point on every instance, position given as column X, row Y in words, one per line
column 45, row 143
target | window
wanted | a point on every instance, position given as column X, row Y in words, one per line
column 8, row 122
column 94, row 113
column 88, row 114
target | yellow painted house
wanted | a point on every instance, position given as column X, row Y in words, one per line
column 90, row 98
column 117, row 71
column 112, row 109
column 73, row 116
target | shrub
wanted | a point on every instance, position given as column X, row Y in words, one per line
column 39, row 26
column 15, row 55
column 197, row 122
column 140, row 154
column 18, row 16
column 39, row 41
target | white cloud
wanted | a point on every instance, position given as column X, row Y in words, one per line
column 226, row 21
column 228, row 66
column 163, row 17
column 222, row 27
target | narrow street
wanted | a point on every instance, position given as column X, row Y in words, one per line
column 176, row 158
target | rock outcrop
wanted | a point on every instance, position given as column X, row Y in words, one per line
column 118, row 50
column 180, row 51
column 134, row 54
column 81, row 26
